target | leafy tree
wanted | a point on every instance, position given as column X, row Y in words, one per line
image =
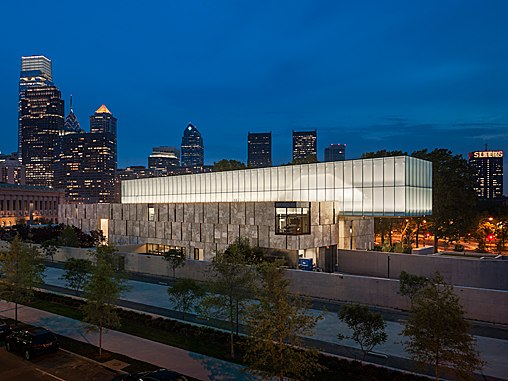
column 251, row 255
column 454, row 198
column 227, row 165
column 69, row 237
column 230, row 280
column 175, row 258
column 382, row 153
column 185, row 294
column 76, row 273
column 102, row 289
column 276, row 325
column 368, row 327
column 50, row 247
column 438, row 332
column 410, row 285
column 21, row 270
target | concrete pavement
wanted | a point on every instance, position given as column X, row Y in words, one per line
column 165, row 356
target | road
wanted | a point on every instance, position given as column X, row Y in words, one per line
column 60, row 366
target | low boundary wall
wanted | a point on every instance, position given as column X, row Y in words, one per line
column 468, row 272
column 482, row 304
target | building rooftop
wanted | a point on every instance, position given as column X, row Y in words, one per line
column 103, row 110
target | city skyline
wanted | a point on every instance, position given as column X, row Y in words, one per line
column 441, row 88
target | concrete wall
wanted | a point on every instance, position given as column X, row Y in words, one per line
column 469, row 272
column 214, row 226
column 480, row 304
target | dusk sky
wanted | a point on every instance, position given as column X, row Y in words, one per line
column 371, row 74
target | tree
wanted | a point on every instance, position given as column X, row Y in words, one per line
column 185, row 294
column 50, row 247
column 251, row 255
column 175, row 258
column 438, row 332
column 227, row 165
column 21, row 270
column 230, row 280
column 382, row 153
column 69, row 237
column 453, row 195
column 368, row 327
column 103, row 288
column 410, row 285
column 276, row 325
column 76, row 273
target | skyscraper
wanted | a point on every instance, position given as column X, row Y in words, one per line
column 164, row 160
column 87, row 161
column 336, row 152
column 41, row 121
column 304, row 145
column 36, row 71
column 259, row 149
column 193, row 151
column 488, row 172
column 71, row 124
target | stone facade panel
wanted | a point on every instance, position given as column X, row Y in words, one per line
column 224, row 217
column 211, row 213
column 233, row 233
column 176, row 231
column 188, row 212
column 238, row 213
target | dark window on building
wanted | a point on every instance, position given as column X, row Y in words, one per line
column 291, row 221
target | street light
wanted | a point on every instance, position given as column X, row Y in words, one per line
column 351, row 237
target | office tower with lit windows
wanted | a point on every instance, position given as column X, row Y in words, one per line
column 164, row 160
column 36, row 71
column 488, row 173
column 259, row 149
column 41, row 120
column 336, row 152
column 193, row 150
column 304, row 145
column 87, row 161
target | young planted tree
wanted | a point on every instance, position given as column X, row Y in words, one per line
column 21, row 270
column 410, row 285
column 185, row 294
column 368, row 328
column 76, row 273
column 69, row 237
column 276, row 325
column 103, row 288
column 439, row 334
column 230, row 282
column 49, row 248
column 175, row 258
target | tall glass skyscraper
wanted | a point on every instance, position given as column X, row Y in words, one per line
column 193, row 150
column 36, row 71
column 87, row 161
column 304, row 145
column 41, row 120
column 71, row 124
column 259, row 149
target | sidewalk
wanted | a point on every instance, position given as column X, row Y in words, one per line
column 185, row 362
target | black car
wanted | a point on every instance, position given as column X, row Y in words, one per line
column 5, row 329
column 32, row 341
column 156, row 375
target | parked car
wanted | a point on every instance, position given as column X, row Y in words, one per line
column 156, row 375
column 5, row 329
column 31, row 342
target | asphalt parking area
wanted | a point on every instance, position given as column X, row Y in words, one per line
column 60, row 366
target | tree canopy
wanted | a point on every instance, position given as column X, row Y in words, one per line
column 438, row 332
column 227, row 165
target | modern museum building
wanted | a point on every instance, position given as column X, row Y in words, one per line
column 306, row 211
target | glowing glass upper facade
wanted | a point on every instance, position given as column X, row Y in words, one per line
column 391, row 186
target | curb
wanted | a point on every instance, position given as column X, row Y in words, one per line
column 93, row 361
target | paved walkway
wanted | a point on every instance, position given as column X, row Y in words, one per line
column 493, row 350
column 185, row 362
